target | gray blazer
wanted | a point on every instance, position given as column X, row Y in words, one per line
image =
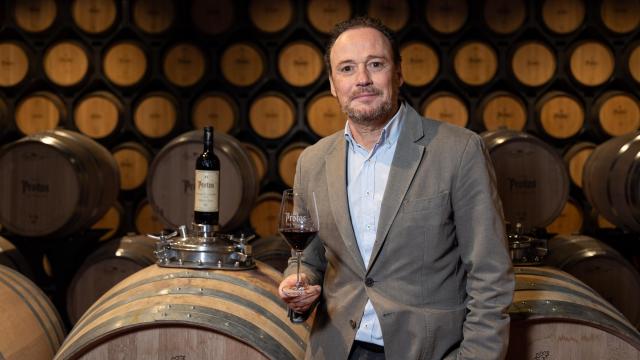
column 440, row 278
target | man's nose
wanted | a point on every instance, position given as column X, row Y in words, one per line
column 363, row 77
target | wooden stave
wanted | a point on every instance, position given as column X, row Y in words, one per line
column 569, row 252
column 542, row 121
column 468, row 72
column 494, row 140
column 286, row 165
column 136, row 251
column 36, row 25
column 27, row 128
column 143, row 157
column 91, row 162
column 600, row 126
column 281, row 122
column 447, row 116
column 98, row 24
column 216, row 118
column 271, row 16
column 324, row 123
column 571, row 15
column 268, row 204
column 164, row 19
column 526, row 76
column 582, row 149
column 148, row 106
column 112, row 221
column 83, row 124
column 113, row 74
column 69, row 78
column 17, row 76
column 446, row 17
column 272, row 250
column 547, row 296
column 504, row 17
column 608, row 176
column 45, row 321
column 140, row 286
column 516, row 121
column 323, row 17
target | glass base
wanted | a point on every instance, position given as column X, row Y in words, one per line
column 294, row 291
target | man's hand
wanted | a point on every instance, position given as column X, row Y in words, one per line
column 300, row 303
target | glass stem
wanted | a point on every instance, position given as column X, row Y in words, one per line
column 298, row 257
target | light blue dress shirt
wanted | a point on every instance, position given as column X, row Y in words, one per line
column 367, row 175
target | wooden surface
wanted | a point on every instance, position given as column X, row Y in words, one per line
column 94, row 16
column 133, row 164
column 475, row 63
column 569, row 221
column 324, row 114
column 213, row 17
column 242, row 64
column 111, row 222
column 446, row 106
column 616, row 113
column 563, row 16
column 66, row 63
column 420, row 63
column 271, row 16
column 264, row 215
column 14, row 63
column 184, row 64
column 505, row 16
column 502, row 110
column 533, row 63
column 560, row 115
column 287, row 161
column 153, row 16
column 300, row 63
column 575, row 157
column 124, row 63
column 394, row 14
column 205, row 307
column 620, row 16
column 591, row 63
column 259, row 159
column 446, row 16
column 98, row 114
column 323, row 15
column 32, row 328
column 272, row 115
column 215, row 109
column 39, row 111
column 156, row 114
column 35, row 15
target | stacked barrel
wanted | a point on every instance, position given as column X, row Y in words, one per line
column 96, row 89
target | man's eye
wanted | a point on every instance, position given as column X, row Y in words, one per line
column 376, row 64
column 346, row 68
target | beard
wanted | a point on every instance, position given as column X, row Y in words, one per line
column 371, row 115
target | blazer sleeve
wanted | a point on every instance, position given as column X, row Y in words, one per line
column 481, row 237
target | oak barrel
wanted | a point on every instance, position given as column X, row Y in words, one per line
column 32, row 328
column 475, row 63
column 264, row 215
column 620, row 16
column 145, row 220
column 602, row 268
column 591, row 62
column 272, row 115
column 213, row 17
column 195, row 314
column 447, row 107
column 155, row 115
column 39, row 111
column 420, row 63
column 271, row 16
column 35, row 16
column 575, row 157
column 98, row 114
column 532, row 179
column 615, row 113
column 259, row 159
column 215, row 109
column 287, row 161
column 171, row 175
column 94, row 16
column 273, row 250
column 133, row 162
column 533, row 63
column 505, row 16
column 124, row 63
column 633, row 62
column 62, row 182
column 569, row 221
column 300, row 63
column 324, row 114
column 560, row 115
column 502, row 110
column 111, row 263
column 184, row 64
column 556, row 316
column 610, row 179
column 393, row 13
column 66, row 63
column 563, row 16
column 446, row 16
column 153, row 16
column 14, row 63
column 111, row 222
column 243, row 64
column 323, row 15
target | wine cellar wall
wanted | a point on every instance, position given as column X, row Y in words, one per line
column 134, row 75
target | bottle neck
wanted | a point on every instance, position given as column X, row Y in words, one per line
column 208, row 141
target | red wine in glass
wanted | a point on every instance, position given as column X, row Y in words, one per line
column 298, row 224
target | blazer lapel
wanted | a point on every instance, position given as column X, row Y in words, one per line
column 336, row 172
column 408, row 156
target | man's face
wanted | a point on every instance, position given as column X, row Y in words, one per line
column 363, row 76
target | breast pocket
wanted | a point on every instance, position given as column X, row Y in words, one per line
column 431, row 210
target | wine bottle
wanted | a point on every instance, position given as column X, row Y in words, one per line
column 207, row 183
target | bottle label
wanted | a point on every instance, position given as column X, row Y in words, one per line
column 206, row 191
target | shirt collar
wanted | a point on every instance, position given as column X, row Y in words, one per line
column 389, row 134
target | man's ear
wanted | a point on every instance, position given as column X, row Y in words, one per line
column 333, row 89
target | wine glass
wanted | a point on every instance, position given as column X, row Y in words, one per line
column 298, row 224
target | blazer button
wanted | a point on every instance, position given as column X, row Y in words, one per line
column 369, row 282
column 353, row 324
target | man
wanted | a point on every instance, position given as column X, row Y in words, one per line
column 411, row 260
